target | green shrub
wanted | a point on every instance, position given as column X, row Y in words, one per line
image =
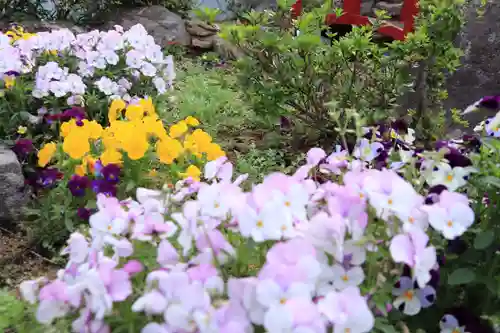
column 319, row 85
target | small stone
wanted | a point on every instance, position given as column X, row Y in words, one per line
column 201, row 29
column 205, row 43
column 393, row 9
column 12, row 194
column 226, row 50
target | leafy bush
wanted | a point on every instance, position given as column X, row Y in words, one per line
column 328, row 89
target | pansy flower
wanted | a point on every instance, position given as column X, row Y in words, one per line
column 449, row 324
column 410, row 299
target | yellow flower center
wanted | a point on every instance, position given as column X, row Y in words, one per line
column 411, row 220
column 449, row 223
column 288, row 204
column 345, row 278
column 449, row 178
column 260, row 224
column 409, row 295
column 390, row 202
column 282, row 301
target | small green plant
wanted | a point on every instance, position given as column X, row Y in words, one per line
column 207, row 15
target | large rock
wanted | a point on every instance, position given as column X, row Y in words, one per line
column 229, row 8
column 161, row 23
column 12, row 195
column 479, row 74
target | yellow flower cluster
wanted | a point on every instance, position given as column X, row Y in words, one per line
column 134, row 129
column 17, row 33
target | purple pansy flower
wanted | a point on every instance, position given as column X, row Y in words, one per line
column 78, row 185
column 111, row 173
column 104, row 187
column 23, row 147
column 84, row 213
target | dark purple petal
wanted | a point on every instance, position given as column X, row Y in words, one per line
column 111, row 173
column 78, row 185
column 490, row 102
column 23, row 147
column 84, row 213
column 104, row 187
column 427, row 296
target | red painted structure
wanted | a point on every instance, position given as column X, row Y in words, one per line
column 352, row 16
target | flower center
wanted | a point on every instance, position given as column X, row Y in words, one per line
column 361, row 196
column 284, row 228
column 282, row 300
column 390, row 202
column 260, row 224
column 216, row 205
column 449, row 223
column 109, row 227
column 288, row 204
column 347, row 330
column 449, row 178
column 345, row 278
column 409, row 295
column 411, row 220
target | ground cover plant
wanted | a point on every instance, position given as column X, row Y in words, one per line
column 376, row 229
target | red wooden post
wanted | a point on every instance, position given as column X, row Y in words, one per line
column 408, row 13
column 352, row 7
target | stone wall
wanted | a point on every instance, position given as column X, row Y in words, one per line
column 480, row 71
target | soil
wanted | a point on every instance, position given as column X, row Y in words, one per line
column 18, row 262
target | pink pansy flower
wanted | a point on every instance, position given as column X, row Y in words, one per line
column 450, row 218
column 347, row 311
column 207, row 275
column 298, row 315
column 412, row 249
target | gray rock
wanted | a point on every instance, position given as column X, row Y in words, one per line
column 392, row 9
column 229, row 8
column 12, row 196
column 164, row 25
column 478, row 76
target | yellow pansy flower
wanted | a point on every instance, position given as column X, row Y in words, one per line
column 168, row 150
column 9, row 81
column 192, row 171
column 46, row 153
column 80, row 170
column 214, row 151
column 76, row 146
column 192, row 121
column 111, row 156
column 134, row 112
column 116, row 108
column 148, row 106
column 178, row 129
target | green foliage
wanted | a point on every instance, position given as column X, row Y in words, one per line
column 207, row 15
column 302, row 76
column 210, row 95
column 18, row 316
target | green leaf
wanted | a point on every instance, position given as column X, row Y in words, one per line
column 461, row 276
column 495, row 181
column 484, row 239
